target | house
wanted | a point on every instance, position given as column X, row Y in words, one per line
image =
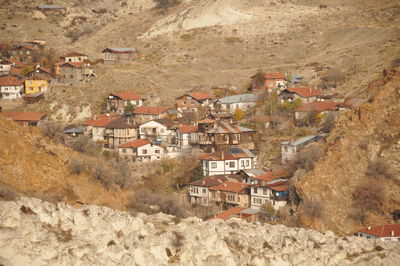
column 241, row 101
column 41, row 71
column 258, row 176
column 36, row 84
column 73, row 57
column 228, row 161
column 119, row 131
column 74, row 72
column 119, row 101
column 305, row 94
column 230, row 194
column 215, row 136
column 73, row 130
column 290, row 148
column 33, row 97
column 96, row 128
column 140, row 150
column 25, row 118
column 247, row 214
column 199, row 190
column 11, row 87
column 318, row 107
column 160, row 130
column 193, row 101
column 271, row 81
column 22, row 53
column 112, row 55
column 274, row 193
column 388, row 232
column 5, row 67
column 147, row 113
column 185, row 134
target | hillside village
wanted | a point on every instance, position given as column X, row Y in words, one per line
column 250, row 144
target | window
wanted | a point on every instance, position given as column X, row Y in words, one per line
column 31, row 89
column 286, row 149
column 192, row 102
column 257, row 201
column 242, row 163
column 255, row 190
column 247, row 162
column 157, row 151
column 123, row 150
column 264, row 191
column 142, row 130
column 183, row 102
column 162, row 130
column 204, row 191
column 213, row 165
column 231, row 164
column 144, row 151
column 231, row 197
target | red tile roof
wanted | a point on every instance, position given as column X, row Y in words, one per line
column 10, row 81
column 101, row 121
column 188, row 129
column 134, row 144
column 306, row 91
column 383, row 230
column 24, row 116
column 282, row 187
column 214, row 180
column 201, row 95
column 127, row 95
column 227, row 155
column 318, row 107
column 17, row 63
column 228, row 213
column 274, row 76
column 206, row 121
column 230, row 187
column 72, row 53
column 149, row 110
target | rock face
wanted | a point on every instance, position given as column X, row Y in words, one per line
column 33, row 232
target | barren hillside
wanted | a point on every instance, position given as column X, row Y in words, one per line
column 364, row 149
column 211, row 43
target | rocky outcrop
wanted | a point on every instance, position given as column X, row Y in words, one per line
column 33, row 232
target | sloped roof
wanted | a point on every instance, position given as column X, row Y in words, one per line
column 185, row 129
column 274, row 76
column 10, row 81
column 199, row 96
column 127, row 95
column 135, row 143
column 165, row 122
column 119, row 123
column 318, row 107
column 229, row 213
column 149, row 110
column 230, row 187
column 214, row 180
column 120, row 50
column 225, row 128
column 305, row 92
column 101, row 121
column 24, row 116
column 206, row 121
column 75, row 64
column 232, row 154
column 72, row 53
column 273, row 175
column 77, row 130
column 383, row 230
column 239, row 98
column 300, row 140
column 16, row 63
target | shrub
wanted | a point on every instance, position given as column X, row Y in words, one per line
column 74, row 35
column 335, row 75
column 369, row 196
column 7, row 193
column 329, row 123
column 306, row 159
column 312, row 208
column 53, row 130
column 76, row 166
column 238, row 115
column 380, row 169
column 165, row 4
column 84, row 145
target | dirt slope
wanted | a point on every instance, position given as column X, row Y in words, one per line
column 34, row 166
column 361, row 137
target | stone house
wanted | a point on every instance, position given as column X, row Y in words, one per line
column 230, row 194
column 119, row 101
column 228, row 161
column 117, row 54
column 119, row 131
column 145, row 113
column 305, row 94
column 241, row 101
column 22, row 53
column 140, row 150
column 193, row 101
column 11, row 87
column 160, row 130
column 75, row 72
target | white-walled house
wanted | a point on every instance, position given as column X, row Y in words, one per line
column 11, row 88
column 5, row 67
column 158, row 130
column 389, row 232
column 290, row 148
column 186, row 135
column 73, row 57
column 241, row 101
column 141, row 150
column 228, row 161
column 199, row 190
column 117, row 102
column 274, row 193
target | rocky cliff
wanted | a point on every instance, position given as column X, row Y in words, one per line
column 33, row 232
column 364, row 148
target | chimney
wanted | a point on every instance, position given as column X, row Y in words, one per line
column 225, row 185
column 223, row 155
column 369, row 228
column 392, row 233
column 310, row 90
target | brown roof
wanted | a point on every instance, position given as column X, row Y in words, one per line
column 149, row 110
column 10, row 81
column 127, row 95
column 29, row 47
column 306, row 91
column 16, row 63
column 274, row 76
column 74, row 64
column 24, row 116
column 227, row 155
column 228, row 213
column 269, row 176
column 214, row 180
column 389, row 230
column 37, row 76
column 206, row 121
column 185, row 129
column 318, row 107
column 165, row 122
column 201, row 95
column 72, row 53
column 119, row 123
column 230, row 187
column 134, row 144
